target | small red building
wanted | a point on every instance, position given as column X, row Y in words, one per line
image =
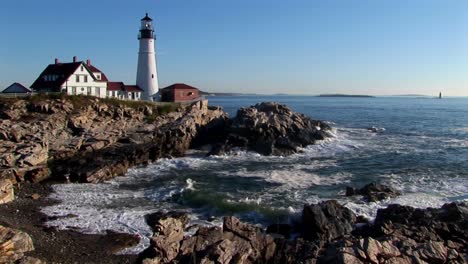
column 179, row 92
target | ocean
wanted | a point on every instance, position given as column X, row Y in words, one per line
column 421, row 149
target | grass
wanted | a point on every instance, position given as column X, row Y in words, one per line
column 81, row 101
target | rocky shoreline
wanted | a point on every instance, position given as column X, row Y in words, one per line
column 327, row 233
column 84, row 139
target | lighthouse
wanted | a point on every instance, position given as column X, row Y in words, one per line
column 147, row 74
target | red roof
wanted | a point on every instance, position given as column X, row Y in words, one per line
column 179, row 86
column 115, row 86
column 94, row 70
column 120, row 86
column 61, row 70
column 133, row 88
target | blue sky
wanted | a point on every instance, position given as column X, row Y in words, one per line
column 379, row 47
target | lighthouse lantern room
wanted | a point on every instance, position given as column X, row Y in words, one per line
column 147, row 76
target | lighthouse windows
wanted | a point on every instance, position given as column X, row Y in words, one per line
column 152, row 76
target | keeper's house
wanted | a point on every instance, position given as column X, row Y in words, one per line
column 179, row 92
column 82, row 78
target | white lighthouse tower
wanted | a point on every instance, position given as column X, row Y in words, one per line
column 147, row 74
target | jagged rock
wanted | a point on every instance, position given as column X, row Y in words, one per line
column 6, row 191
column 373, row 192
column 32, row 154
column 327, row 221
column 236, row 242
column 169, row 232
column 271, row 129
column 13, row 110
column 13, row 244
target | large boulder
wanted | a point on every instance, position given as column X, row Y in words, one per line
column 13, row 244
column 272, row 129
column 327, row 221
column 373, row 192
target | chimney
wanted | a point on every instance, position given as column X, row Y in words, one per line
column 74, row 58
column 56, row 61
column 88, row 62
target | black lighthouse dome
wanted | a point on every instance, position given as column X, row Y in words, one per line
column 146, row 29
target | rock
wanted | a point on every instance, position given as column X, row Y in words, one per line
column 373, row 192
column 13, row 111
column 6, row 191
column 13, row 244
column 169, row 232
column 432, row 252
column 30, row 260
column 37, row 174
column 327, row 221
column 35, row 196
column 271, row 129
column 32, row 154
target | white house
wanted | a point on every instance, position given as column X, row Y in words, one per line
column 73, row 78
column 78, row 77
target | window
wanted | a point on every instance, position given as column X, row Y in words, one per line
column 152, row 76
column 98, row 91
column 82, row 68
column 98, row 76
column 77, row 78
column 82, row 89
column 89, row 91
column 86, row 78
column 73, row 92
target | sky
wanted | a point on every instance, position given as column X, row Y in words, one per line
column 376, row 47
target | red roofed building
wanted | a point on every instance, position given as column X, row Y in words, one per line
column 73, row 78
column 78, row 77
column 121, row 91
column 179, row 92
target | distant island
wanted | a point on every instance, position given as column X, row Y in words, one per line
column 343, row 95
column 203, row 93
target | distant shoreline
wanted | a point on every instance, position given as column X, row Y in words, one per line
column 345, row 95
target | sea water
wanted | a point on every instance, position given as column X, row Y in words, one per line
column 421, row 149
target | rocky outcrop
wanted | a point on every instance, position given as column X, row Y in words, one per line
column 235, row 242
column 170, row 135
column 271, row 129
column 13, row 244
column 400, row 235
column 373, row 192
column 238, row 242
column 90, row 139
